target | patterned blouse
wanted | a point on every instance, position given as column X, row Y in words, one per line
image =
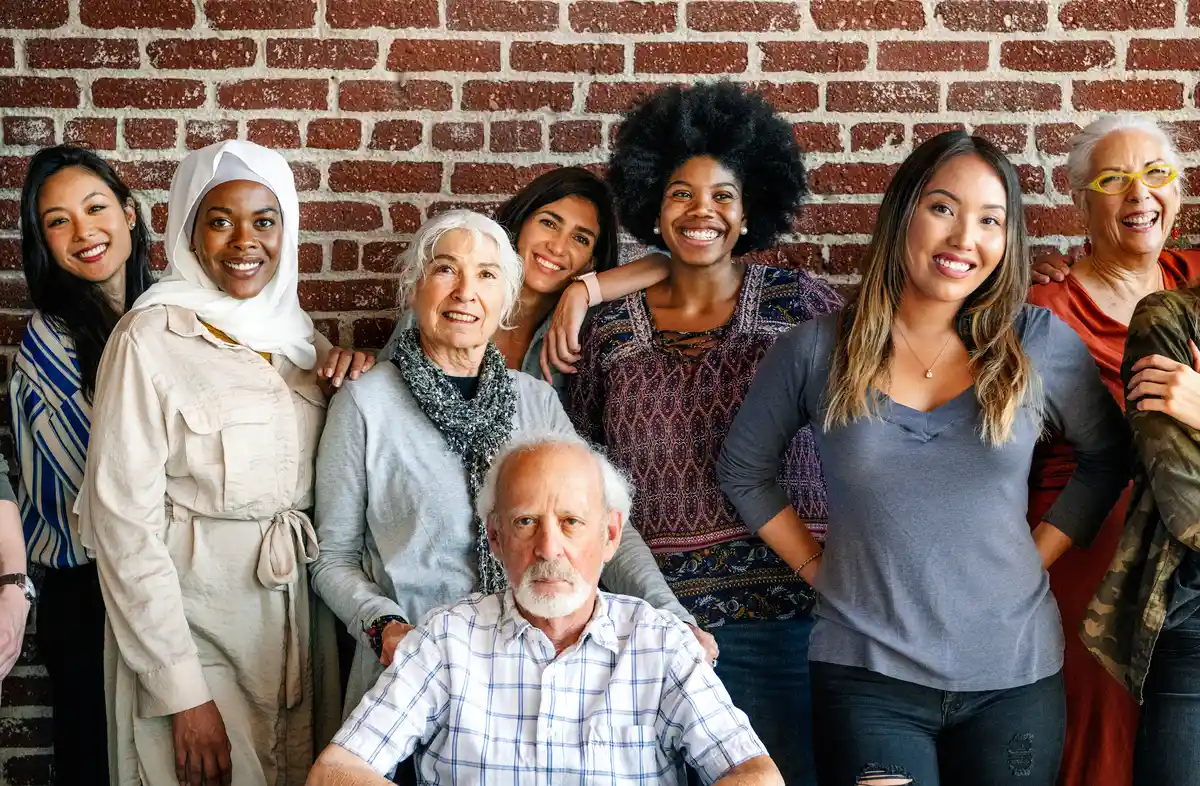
column 663, row 416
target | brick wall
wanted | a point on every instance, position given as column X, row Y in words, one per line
column 392, row 109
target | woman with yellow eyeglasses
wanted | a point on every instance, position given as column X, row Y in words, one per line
column 1124, row 178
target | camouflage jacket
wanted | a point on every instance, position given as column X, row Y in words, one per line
column 1126, row 616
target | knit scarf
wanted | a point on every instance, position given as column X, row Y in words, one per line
column 475, row 430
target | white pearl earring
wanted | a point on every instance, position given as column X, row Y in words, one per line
column 745, row 230
column 656, row 231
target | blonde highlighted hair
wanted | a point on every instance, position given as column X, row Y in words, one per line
column 1004, row 376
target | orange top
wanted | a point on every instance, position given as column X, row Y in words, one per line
column 229, row 339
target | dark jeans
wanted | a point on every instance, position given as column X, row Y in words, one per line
column 1168, row 736
column 70, row 639
column 764, row 666
column 867, row 724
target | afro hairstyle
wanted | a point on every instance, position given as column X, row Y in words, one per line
column 720, row 119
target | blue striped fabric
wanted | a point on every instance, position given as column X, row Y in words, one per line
column 51, row 424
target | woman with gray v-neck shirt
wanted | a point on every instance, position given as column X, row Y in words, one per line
column 938, row 646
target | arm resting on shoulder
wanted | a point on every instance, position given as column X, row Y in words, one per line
column 759, row 771
column 337, row 766
column 14, row 608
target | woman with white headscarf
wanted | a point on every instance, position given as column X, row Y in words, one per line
column 200, row 468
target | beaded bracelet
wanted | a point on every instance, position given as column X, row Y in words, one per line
column 804, row 564
column 374, row 632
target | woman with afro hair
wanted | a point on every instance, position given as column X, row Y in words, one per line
column 710, row 173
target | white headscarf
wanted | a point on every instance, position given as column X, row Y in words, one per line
column 271, row 321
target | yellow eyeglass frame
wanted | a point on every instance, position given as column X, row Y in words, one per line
column 1095, row 184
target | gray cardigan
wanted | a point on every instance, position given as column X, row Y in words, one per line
column 394, row 519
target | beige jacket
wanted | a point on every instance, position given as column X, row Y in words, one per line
column 199, row 471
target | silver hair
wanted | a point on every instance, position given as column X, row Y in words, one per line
column 1083, row 144
column 414, row 262
column 618, row 491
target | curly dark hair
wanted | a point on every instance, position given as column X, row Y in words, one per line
column 719, row 119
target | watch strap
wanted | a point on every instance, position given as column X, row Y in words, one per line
column 593, row 288
column 21, row 580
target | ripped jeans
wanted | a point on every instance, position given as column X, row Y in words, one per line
column 872, row 730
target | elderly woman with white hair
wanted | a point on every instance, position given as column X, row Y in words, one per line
column 1124, row 178
column 407, row 446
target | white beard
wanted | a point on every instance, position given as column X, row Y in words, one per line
column 556, row 604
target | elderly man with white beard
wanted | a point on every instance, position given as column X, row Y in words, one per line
column 551, row 681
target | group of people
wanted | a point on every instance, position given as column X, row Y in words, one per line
column 692, row 518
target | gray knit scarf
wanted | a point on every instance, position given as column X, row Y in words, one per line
column 475, row 430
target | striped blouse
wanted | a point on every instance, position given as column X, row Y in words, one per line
column 51, row 423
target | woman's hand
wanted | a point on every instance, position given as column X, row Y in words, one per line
column 707, row 643
column 201, row 747
column 342, row 362
column 561, row 345
column 1054, row 269
column 14, row 611
column 393, row 633
column 1160, row 384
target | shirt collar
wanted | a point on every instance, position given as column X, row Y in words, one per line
column 600, row 627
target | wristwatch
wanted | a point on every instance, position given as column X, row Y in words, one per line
column 592, row 286
column 22, row 581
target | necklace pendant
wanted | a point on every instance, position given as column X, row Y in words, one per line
column 929, row 374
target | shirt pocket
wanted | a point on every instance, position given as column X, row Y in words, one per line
column 624, row 754
column 229, row 450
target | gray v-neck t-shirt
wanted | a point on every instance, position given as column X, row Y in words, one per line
column 930, row 574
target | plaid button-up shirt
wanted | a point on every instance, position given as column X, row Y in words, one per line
column 479, row 694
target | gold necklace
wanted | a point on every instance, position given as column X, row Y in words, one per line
column 929, row 368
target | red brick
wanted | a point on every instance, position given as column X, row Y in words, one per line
column 339, row 217
column 818, row 137
column 311, row 257
column 815, row 57
column 567, row 58
column 382, row 13
column 1010, row 138
column 603, row 16
column 575, row 136
column 148, row 93
column 158, row 217
column 385, row 176
column 137, row 14
column 10, row 213
column 344, row 256
column 881, row 96
column 363, row 294
column 1117, row 14
column 876, row 136
column 29, row 131
column 148, row 175
column 1193, row 13
column 404, row 218
column 845, row 258
column 8, row 56
column 205, row 53
column 12, row 171
column 795, row 256
column 22, row 732
column 61, row 53
column 1062, row 182
column 504, row 15
column 1053, row 137
column 330, row 328
column 158, row 256
column 841, row 218
column 741, row 15
column 311, row 53
column 415, row 55
column 516, row 136
column 458, row 136
column 202, row 133
column 40, row 15
column 1153, row 54
column 788, row 96
column 396, row 135
column 1003, row 97
column 262, row 15
column 10, row 259
column 519, row 96
column 851, row 178
column 372, row 332
column 29, row 91
column 932, row 56
column 1144, row 95
column 98, row 133
column 274, row 94
column 1186, row 134
column 868, row 14
column 618, row 97
column 382, row 257
column 308, row 176
column 1056, row 55
column 993, row 16
column 149, row 133
column 383, row 96
column 1188, row 220
column 28, row 770
column 689, row 58
column 493, row 178
column 331, row 133
column 1043, row 220
column 923, row 132
column 274, row 133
